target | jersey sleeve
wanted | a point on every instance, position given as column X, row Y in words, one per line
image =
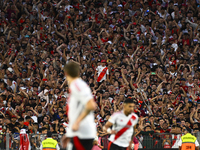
column 86, row 95
column 97, row 69
column 136, row 120
column 113, row 118
column 107, row 72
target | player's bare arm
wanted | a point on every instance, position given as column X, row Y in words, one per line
column 107, row 129
column 131, row 142
column 133, row 133
column 90, row 106
column 64, row 141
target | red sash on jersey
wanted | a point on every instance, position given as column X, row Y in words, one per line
column 101, row 75
column 67, row 105
column 174, row 140
column 124, row 129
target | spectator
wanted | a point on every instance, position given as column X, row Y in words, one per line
column 147, row 136
column 146, row 50
column 166, row 141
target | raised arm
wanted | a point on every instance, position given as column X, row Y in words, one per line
column 191, row 116
column 102, row 111
column 106, row 128
column 124, row 78
column 159, row 87
column 131, row 83
column 58, row 49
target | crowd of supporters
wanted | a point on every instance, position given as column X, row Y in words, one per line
column 145, row 49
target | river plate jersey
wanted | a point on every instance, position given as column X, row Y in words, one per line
column 80, row 94
column 123, row 125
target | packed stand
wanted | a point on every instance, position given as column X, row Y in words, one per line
column 147, row 50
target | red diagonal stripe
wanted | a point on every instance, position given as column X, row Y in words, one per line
column 109, row 145
column 124, row 129
column 77, row 86
column 78, row 144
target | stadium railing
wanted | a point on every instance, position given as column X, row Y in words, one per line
column 155, row 141
column 2, row 141
column 161, row 140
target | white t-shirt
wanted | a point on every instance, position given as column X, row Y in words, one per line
column 99, row 70
column 67, row 7
column 174, row 74
column 13, row 84
column 189, row 84
column 119, row 121
column 80, row 94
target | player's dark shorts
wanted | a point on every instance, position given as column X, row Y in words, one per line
column 112, row 146
column 81, row 144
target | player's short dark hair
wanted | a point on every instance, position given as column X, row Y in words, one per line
column 128, row 100
column 72, row 69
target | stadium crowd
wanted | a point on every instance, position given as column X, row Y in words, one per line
column 144, row 49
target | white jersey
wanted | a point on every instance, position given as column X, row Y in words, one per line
column 80, row 94
column 99, row 70
column 189, row 84
column 175, row 140
column 14, row 84
column 121, row 121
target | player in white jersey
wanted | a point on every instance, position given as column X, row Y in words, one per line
column 122, row 123
column 81, row 130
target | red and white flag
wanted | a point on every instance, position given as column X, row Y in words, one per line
column 102, row 74
column 24, row 140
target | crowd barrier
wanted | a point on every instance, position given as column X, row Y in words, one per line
column 161, row 140
column 147, row 142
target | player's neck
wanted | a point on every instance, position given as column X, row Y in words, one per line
column 70, row 80
column 126, row 113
